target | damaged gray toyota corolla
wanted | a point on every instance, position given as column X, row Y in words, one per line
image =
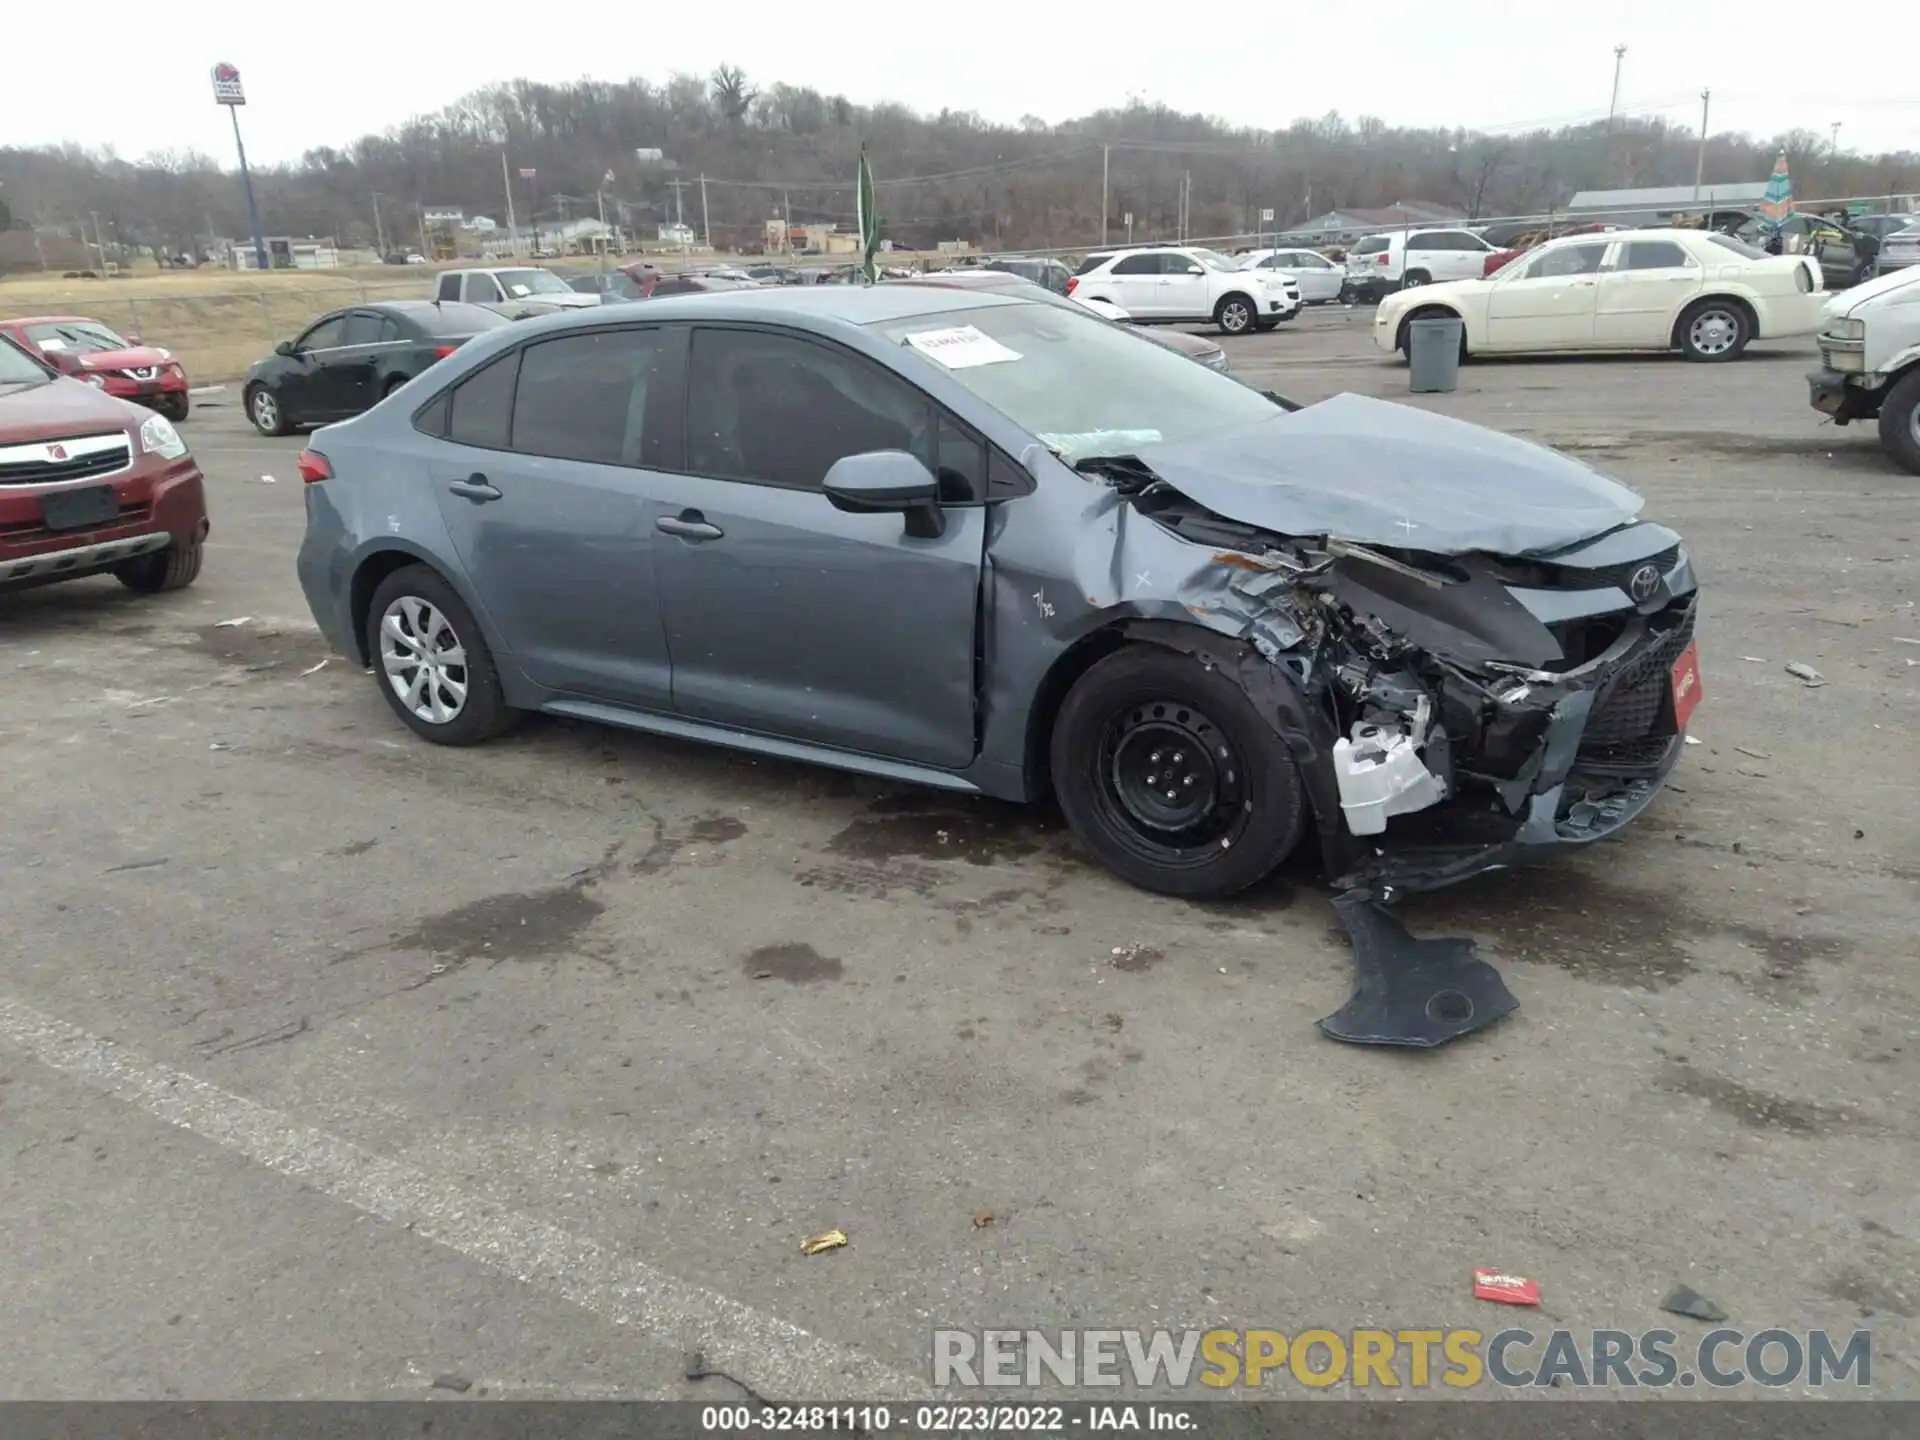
column 997, row 547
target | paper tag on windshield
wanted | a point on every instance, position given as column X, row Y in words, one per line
column 961, row 348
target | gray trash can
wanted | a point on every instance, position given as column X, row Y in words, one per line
column 1433, row 355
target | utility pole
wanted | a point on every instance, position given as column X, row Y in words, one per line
column 506, row 184
column 1186, row 205
column 706, row 229
column 1834, row 146
column 786, row 235
column 1700, row 160
column 1619, row 54
column 99, row 239
column 379, row 232
column 679, row 187
column 1106, row 156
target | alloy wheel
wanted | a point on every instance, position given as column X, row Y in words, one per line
column 1714, row 332
column 424, row 660
column 1235, row 316
column 266, row 410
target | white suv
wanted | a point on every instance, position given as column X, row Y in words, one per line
column 1378, row 265
column 1187, row 283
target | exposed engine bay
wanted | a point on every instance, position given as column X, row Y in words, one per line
column 1450, row 714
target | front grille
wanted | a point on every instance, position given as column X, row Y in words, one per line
column 1630, row 754
column 1574, row 577
column 75, row 467
column 1638, row 699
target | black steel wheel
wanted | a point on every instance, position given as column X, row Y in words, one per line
column 1167, row 772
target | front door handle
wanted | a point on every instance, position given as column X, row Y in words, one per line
column 475, row 488
column 688, row 525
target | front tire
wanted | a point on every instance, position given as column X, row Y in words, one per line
column 1234, row 314
column 173, row 568
column 1403, row 341
column 264, row 410
column 174, row 406
column 1900, row 422
column 430, row 661
column 1714, row 331
column 1165, row 770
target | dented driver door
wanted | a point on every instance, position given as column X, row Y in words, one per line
column 784, row 615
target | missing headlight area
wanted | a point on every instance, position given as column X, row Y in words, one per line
column 1450, row 712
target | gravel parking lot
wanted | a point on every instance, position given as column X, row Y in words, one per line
column 331, row 1061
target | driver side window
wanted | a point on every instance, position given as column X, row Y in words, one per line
column 774, row 409
column 1568, row 260
column 326, row 335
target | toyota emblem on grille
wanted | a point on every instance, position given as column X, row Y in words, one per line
column 1645, row 581
column 56, row 452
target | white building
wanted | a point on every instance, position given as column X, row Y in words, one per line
column 675, row 233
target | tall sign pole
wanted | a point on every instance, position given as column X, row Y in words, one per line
column 228, row 91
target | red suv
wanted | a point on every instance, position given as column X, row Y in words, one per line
column 89, row 351
column 90, row 484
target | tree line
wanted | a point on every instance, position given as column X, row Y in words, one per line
column 783, row 151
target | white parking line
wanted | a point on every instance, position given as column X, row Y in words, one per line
column 780, row 1361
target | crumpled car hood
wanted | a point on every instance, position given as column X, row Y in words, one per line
column 1378, row 473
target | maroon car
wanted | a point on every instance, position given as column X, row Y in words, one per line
column 87, row 350
column 91, row 485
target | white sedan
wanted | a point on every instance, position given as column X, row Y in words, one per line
column 1704, row 294
column 1319, row 279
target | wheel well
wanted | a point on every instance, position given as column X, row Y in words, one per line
column 1078, row 658
column 375, row 568
column 1740, row 304
column 1232, row 295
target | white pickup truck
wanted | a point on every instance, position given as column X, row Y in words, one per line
column 1870, row 361
column 511, row 285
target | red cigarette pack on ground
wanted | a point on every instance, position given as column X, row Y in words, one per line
column 1506, row 1289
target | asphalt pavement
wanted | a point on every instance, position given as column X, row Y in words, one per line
column 332, row 1062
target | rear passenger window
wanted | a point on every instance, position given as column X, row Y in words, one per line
column 483, row 405
column 1138, row 265
column 1654, row 255
column 584, row 397
column 449, row 288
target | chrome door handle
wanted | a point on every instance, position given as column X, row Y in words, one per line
column 475, row 488
column 689, row 525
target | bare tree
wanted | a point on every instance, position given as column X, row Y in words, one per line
column 732, row 96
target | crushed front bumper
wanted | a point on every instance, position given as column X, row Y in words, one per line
column 1843, row 395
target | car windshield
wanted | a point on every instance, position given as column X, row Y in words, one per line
column 80, row 337
column 1739, row 247
column 1214, row 260
column 19, row 368
column 522, row 283
column 1080, row 385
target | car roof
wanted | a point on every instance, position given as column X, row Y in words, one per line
column 849, row 304
column 52, row 320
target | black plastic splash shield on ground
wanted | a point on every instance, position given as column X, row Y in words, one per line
column 1410, row 991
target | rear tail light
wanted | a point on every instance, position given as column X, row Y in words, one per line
column 313, row 467
column 1381, row 259
column 1073, row 283
column 440, row 352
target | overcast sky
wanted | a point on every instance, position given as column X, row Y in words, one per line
column 323, row 75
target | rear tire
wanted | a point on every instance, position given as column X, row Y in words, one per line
column 1714, row 331
column 458, row 700
column 1235, row 314
column 173, row 568
column 1900, row 422
column 1415, row 279
column 1165, row 770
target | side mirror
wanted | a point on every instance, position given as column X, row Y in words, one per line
column 1196, row 269
column 285, row 347
column 883, row 482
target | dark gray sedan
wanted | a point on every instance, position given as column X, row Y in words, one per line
column 999, row 547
